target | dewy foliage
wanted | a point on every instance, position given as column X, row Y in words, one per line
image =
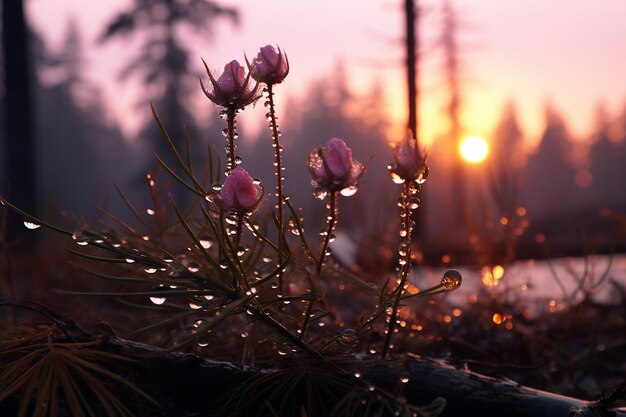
column 48, row 373
column 214, row 263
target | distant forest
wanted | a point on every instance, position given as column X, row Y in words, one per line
column 566, row 193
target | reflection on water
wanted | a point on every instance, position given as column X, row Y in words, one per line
column 557, row 280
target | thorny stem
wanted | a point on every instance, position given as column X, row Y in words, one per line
column 279, row 175
column 230, row 119
column 405, row 264
column 332, row 219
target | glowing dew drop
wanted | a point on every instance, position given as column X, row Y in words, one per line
column 31, row 225
column 348, row 337
column 451, row 280
column 157, row 300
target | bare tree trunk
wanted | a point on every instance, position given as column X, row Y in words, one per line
column 18, row 135
column 412, row 15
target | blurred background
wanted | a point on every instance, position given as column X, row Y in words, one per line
column 532, row 93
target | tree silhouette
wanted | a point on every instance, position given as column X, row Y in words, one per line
column 548, row 177
column 19, row 142
column 606, row 164
column 78, row 142
column 164, row 59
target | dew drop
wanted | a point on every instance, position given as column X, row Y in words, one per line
column 451, row 280
column 150, row 212
column 348, row 337
column 157, row 300
column 130, row 260
column 206, row 242
column 81, row 236
column 349, row 191
column 198, row 323
column 320, row 194
column 150, row 270
column 31, row 225
column 403, row 250
column 208, row 297
column 396, row 178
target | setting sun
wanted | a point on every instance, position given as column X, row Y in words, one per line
column 474, row 149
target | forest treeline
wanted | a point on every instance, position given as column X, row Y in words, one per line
column 564, row 187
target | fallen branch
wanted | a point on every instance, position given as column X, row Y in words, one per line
column 186, row 385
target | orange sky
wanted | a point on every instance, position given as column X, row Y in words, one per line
column 568, row 52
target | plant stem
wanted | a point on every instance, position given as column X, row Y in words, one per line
column 285, row 332
column 307, row 313
column 405, row 267
column 230, row 119
column 332, row 219
column 238, row 229
column 279, row 177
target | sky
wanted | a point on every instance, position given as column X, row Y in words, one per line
column 569, row 53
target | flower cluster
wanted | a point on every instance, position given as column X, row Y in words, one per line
column 220, row 274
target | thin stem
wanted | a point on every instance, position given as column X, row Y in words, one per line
column 238, row 229
column 405, row 263
column 285, row 332
column 279, row 175
column 277, row 155
column 332, row 219
column 308, row 312
column 232, row 131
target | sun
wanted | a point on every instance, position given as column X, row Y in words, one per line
column 474, row 149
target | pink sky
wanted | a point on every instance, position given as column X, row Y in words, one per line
column 568, row 52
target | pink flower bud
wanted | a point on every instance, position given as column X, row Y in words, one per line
column 239, row 193
column 269, row 66
column 232, row 89
column 332, row 168
column 338, row 157
column 232, row 79
column 409, row 161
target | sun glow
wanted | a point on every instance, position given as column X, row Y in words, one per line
column 474, row 149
